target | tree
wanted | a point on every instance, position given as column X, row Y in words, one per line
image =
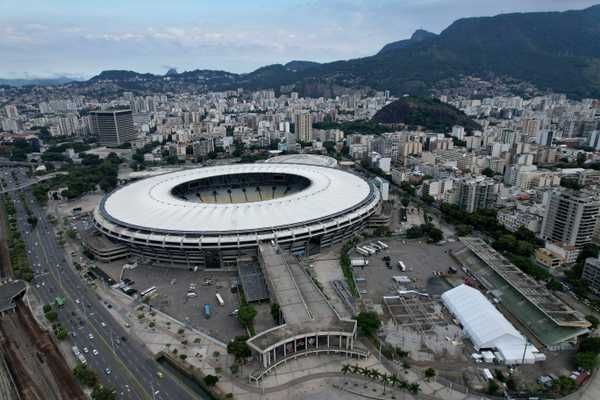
column 239, row 348
column 488, row 172
column 564, row 385
column 435, row 235
column 589, row 250
column 368, row 323
column 593, row 320
column 429, row 373
column 590, row 344
column 414, row 232
column 586, row 360
column 103, row 393
column 51, row 316
column 405, row 202
column 85, row 375
column 493, row 387
column 46, row 308
column 61, row 333
column 464, row 230
column 553, row 284
column 211, row 380
column 246, row 315
column 427, row 199
column 276, row 312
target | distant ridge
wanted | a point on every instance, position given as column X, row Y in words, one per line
column 420, row 35
column 557, row 51
column 37, row 81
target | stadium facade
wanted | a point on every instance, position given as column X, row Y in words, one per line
column 210, row 217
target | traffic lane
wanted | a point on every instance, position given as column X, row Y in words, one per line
column 68, row 280
column 150, row 372
column 48, row 297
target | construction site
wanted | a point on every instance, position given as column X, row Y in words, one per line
column 498, row 317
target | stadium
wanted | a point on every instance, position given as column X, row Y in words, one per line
column 210, row 217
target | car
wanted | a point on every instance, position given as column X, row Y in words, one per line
column 77, row 301
column 90, row 336
column 86, row 350
column 103, row 324
column 95, row 352
column 107, row 371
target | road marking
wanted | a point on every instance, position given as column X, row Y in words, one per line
column 117, row 359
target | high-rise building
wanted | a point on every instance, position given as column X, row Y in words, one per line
column 11, row 111
column 303, row 126
column 113, row 127
column 571, row 217
column 476, row 193
column 591, row 274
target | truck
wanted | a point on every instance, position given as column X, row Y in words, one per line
column 78, row 355
column 206, row 308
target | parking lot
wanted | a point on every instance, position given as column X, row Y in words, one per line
column 423, row 261
column 171, row 297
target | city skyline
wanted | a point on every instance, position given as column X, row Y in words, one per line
column 40, row 40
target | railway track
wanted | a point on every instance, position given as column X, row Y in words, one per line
column 38, row 368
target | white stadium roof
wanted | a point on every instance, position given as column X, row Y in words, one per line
column 486, row 326
column 308, row 159
column 149, row 204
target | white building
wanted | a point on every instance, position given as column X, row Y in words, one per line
column 487, row 328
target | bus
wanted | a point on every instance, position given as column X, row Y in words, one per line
column 220, row 299
column 363, row 251
column 148, row 291
column 401, row 266
column 385, row 246
column 370, row 250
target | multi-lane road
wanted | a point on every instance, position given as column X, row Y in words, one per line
column 119, row 360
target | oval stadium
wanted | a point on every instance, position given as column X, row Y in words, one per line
column 210, row 217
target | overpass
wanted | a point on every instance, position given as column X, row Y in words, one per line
column 32, row 182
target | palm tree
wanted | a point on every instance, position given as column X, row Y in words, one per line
column 414, row 388
column 356, row 369
column 374, row 374
column 385, row 379
column 365, row 371
column 346, row 369
column 394, row 381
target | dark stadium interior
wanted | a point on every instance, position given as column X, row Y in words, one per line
column 241, row 188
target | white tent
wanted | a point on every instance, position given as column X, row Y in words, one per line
column 486, row 326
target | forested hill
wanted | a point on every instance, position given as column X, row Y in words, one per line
column 427, row 113
column 558, row 51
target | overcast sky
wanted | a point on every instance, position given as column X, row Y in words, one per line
column 40, row 38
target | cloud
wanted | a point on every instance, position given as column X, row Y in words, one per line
column 236, row 35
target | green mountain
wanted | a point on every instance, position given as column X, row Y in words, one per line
column 559, row 51
column 428, row 113
column 420, row 35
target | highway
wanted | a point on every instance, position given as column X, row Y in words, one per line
column 133, row 371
